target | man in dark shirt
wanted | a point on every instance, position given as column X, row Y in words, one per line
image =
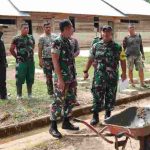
column 135, row 54
column 3, row 65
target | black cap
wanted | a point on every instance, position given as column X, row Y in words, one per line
column 107, row 28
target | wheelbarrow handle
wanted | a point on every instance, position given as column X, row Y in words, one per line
column 92, row 128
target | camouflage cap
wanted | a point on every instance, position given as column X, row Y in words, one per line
column 106, row 28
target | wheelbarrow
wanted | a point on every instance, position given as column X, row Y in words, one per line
column 133, row 123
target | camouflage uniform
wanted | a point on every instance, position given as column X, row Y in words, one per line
column 75, row 49
column 25, row 66
column 96, row 39
column 106, row 57
column 45, row 42
column 65, row 99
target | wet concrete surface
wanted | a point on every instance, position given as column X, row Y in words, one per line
column 133, row 117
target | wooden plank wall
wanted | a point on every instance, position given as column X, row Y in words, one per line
column 142, row 27
column 85, row 31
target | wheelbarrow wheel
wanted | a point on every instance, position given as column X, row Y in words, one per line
column 122, row 143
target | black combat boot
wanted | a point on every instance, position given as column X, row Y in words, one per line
column 95, row 119
column 107, row 114
column 68, row 125
column 53, row 130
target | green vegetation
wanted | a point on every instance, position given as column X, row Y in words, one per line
column 26, row 109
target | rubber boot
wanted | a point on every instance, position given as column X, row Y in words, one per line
column 19, row 92
column 29, row 90
column 54, row 131
column 68, row 125
column 95, row 119
column 107, row 114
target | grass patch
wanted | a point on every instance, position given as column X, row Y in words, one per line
column 28, row 109
column 80, row 64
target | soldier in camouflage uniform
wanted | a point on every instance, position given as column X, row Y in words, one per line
column 22, row 47
column 44, row 52
column 64, row 79
column 106, row 55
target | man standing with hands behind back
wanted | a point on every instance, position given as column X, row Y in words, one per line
column 22, row 48
column 44, row 53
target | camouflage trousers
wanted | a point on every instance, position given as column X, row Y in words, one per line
column 104, row 94
column 48, row 71
column 63, row 101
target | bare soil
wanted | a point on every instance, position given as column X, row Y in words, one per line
column 93, row 143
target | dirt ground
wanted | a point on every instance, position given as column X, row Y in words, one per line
column 92, row 143
column 77, row 140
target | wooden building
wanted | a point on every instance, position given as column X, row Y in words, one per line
column 86, row 17
column 9, row 15
column 137, row 12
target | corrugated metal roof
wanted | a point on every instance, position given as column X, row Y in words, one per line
column 7, row 9
column 86, row 7
column 131, row 7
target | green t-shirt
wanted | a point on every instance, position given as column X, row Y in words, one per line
column 45, row 42
column 24, row 46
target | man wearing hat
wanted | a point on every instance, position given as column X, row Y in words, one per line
column 22, row 48
column 44, row 52
column 106, row 54
column 3, row 65
column 135, row 54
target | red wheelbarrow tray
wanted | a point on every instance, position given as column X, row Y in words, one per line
column 133, row 121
